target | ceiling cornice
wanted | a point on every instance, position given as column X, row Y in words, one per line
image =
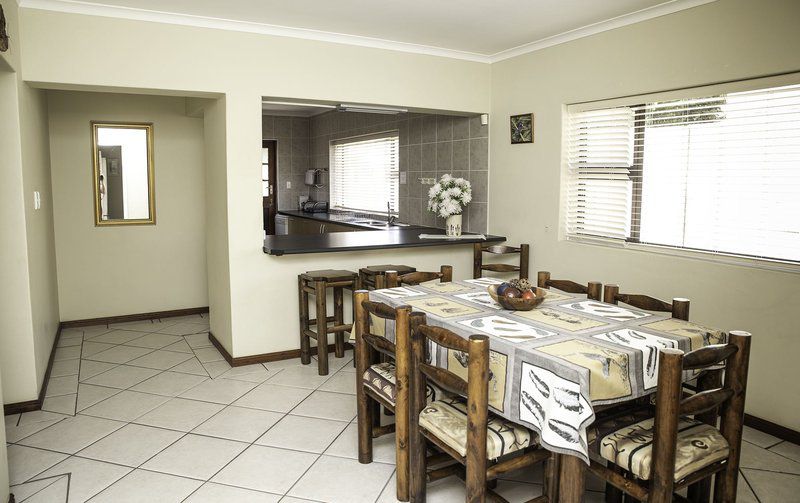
column 78, row 7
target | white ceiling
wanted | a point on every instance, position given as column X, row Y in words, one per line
column 471, row 29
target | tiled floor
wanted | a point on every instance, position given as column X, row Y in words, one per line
column 150, row 411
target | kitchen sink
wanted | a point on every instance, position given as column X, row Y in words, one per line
column 378, row 223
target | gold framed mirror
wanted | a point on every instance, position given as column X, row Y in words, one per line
column 123, row 173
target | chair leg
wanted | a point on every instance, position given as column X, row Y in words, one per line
column 365, row 423
column 305, row 342
column 614, row 495
column 338, row 316
column 322, row 327
column 551, row 478
column 418, row 467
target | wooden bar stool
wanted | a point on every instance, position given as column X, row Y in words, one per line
column 371, row 276
column 317, row 283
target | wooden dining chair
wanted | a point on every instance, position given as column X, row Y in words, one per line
column 386, row 383
column 486, row 445
column 679, row 307
column 593, row 289
column 478, row 266
column 652, row 453
column 392, row 280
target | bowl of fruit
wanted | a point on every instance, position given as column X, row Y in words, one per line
column 517, row 295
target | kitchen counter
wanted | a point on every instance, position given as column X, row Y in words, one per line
column 343, row 219
column 392, row 237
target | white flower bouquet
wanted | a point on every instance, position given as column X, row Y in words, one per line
column 449, row 196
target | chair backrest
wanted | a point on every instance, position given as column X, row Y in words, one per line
column 475, row 389
column 478, row 266
column 391, row 279
column 679, row 307
column 593, row 289
column 670, row 405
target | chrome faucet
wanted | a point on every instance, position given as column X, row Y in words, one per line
column 390, row 219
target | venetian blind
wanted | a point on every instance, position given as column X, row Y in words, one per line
column 714, row 173
column 364, row 173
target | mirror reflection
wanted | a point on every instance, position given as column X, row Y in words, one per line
column 123, row 173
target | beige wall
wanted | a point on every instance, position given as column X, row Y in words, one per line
column 724, row 40
column 3, row 457
column 107, row 271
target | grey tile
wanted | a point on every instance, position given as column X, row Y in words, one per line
column 460, row 128
column 283, row 127
column 476, row 130
column 415, row 158
column 428, row 129
column 144, row 486
column 195, row 456
column 480, row 186
column 300, row 127
column 444, row 157
column 461, row 155
column 479, row 154
column 402, row 163
column 415, row 131
column 477, row 217
column 428, row 157
column 72, row 434
column 339, row 480
column 267, row 127
column 285, row 468
column 444, row 128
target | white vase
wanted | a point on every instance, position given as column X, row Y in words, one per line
column 453, row 225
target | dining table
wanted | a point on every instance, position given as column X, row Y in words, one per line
column 551, row 368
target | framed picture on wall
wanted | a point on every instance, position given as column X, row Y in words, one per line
column 522, row 128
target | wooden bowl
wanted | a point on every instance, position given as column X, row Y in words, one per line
column 515, row 304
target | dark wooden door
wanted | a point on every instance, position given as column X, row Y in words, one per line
column 269, row 183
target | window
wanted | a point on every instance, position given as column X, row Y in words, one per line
column 718, row 173
column 365, row 173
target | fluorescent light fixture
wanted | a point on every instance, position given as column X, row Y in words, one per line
column 371, row 110
column 297, row 104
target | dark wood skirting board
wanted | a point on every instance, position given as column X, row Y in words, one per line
column 31, row 405
column 262, row 358
column 134, row 317
column 773, row 429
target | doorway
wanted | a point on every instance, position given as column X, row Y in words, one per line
column 269, row 184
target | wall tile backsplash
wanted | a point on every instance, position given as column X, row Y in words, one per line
column 430, row 146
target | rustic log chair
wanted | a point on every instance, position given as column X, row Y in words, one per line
column 478, row 266
column 392, row 280
column 679, row 307
column 593, row 289
column 385, row 383
column 653, row 453
column 486, row 445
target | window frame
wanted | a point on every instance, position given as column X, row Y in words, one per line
column 633, row 243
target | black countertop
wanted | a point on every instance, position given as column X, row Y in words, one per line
column 394, row 237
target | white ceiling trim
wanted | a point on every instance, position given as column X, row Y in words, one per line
column 78, row 7
column 593, row 29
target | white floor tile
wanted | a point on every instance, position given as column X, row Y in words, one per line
column 161, row 360
column 266, row 469
column 122, row 377
column 250, row 373
column 191, row 366
column 179, row 347
column 120, row 354
column 286, row 364
column 224, row 391
column 341, row 382
column 274, row 398
column 87, row 477
column 69, row 353
column 759, row 438
column 346, row 446
column 169, row 383
column 180, row 414
column 24, row 491
column 63, row 404
column 328, row 406
column 90, row 369
column 216, row 493
column 89, row 395
column 340, row 480
column 206, row 355
column 116, row 337
column 239, row 423
column 184, row 329
column 773, row 487
column 125, row 406
column 95, row 330
column 62, row 385
column 57, row 492
column 216, row 368
column 25, row 462
column 195, row 456
column 334, row 364
column 92, row 348
column 131, row 445
column 15, row 433
column 65, row 342
column 300, row 377
column 154, row 341
column 303, row 433
column 787, row 450
column 65, row 368
column 141, row 486
column 38, row 416
column 138, row 326
column 762, row 459
column 72, row 434
column 198, row 341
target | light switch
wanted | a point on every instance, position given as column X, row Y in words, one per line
column 288, row 185
column 402, row 178
column 37, row 200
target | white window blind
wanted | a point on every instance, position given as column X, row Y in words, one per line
column 712, row 173
column 364, row 173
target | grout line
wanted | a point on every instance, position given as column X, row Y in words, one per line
column 54, row 477
column 752, row 490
